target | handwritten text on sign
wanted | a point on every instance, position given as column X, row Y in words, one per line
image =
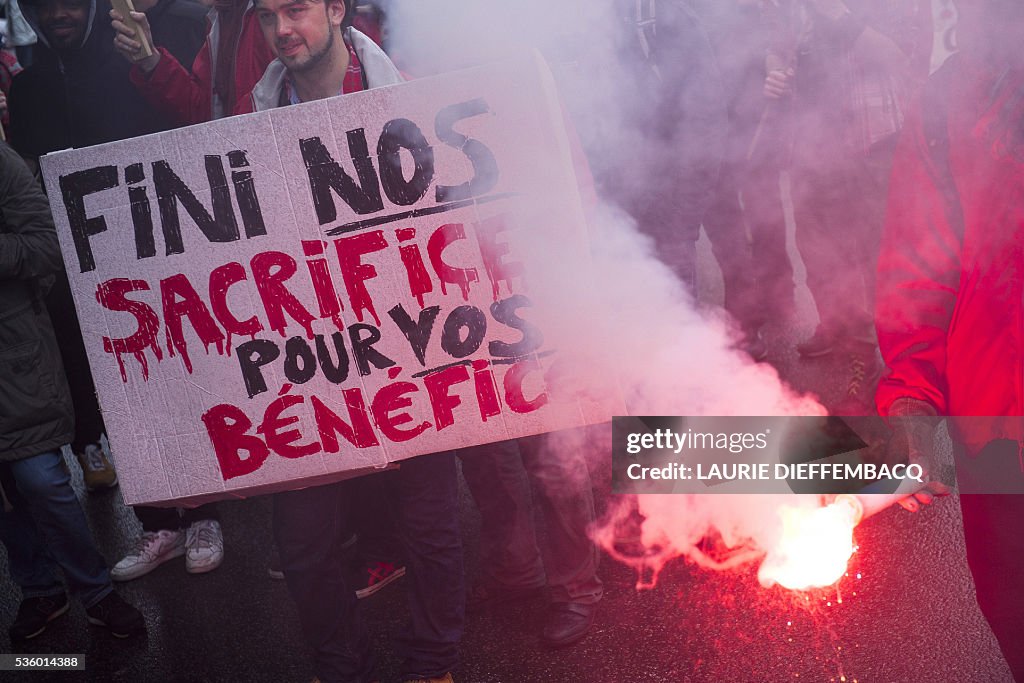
column 358, row 273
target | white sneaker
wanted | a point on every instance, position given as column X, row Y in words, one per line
column 151, row 550
column 204, row 546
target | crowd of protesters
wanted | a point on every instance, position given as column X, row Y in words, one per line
column 738, row 94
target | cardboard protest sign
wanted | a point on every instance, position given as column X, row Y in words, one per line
column 281, row 299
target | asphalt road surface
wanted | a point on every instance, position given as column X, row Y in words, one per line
column 908, row 611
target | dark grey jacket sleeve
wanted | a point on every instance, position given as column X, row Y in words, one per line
column 28, row 240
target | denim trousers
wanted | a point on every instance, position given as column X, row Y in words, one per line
column 311, row 527
column 47, row 529
column 500, row 477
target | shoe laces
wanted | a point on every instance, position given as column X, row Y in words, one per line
column 858, row 369
column 201, row 536
column 144, row 543
column 93, row 455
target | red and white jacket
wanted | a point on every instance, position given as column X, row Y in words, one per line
column 188, row 98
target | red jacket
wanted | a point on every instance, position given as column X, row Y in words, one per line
column 950, row 308
column 188, row 98
column 9, row 68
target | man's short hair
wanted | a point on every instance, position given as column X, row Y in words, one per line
column 350, row 13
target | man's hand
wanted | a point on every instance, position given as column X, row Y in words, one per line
column 778, row 84
column 913, row 425
column 3, row 104
column 127, row 43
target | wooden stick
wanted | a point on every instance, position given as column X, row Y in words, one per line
column 124, row 8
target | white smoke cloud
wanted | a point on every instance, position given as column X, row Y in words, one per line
column 669, row 357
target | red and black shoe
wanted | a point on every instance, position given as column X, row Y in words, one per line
column 367, row 578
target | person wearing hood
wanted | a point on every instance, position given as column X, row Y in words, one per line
column 56, row 102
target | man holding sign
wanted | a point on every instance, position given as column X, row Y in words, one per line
column 319, row 55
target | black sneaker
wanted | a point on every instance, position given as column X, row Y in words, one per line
column 821, row 343
column 369, row 577
column 122, row 619
column 567, row 623
column 35, row 613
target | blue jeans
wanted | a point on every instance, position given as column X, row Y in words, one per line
column 509, row 551
column 46, row 529
column 499, row 477
column 310, row 528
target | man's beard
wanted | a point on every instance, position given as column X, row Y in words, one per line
column 315, row 58
column 72, row 41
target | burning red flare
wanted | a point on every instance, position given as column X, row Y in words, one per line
column 814, row 547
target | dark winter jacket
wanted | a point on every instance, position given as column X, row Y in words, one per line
column 77, row 98
column 35, row 406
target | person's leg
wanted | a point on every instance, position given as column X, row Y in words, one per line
column 30, row 566
column 762, row 206
column 873, row 188
column 818, row 201
column 207, row 511
column 428, row 522
column 558, row 469
column 995, row 554
column 155, row 519
column 863, row 200
column 308, row 529
column 372, row 514
column 561, row 481
column 509, row 555
column 727, row 231
column 43, row 481
column 374, row 551
column 89, row 424
column 97, row 471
